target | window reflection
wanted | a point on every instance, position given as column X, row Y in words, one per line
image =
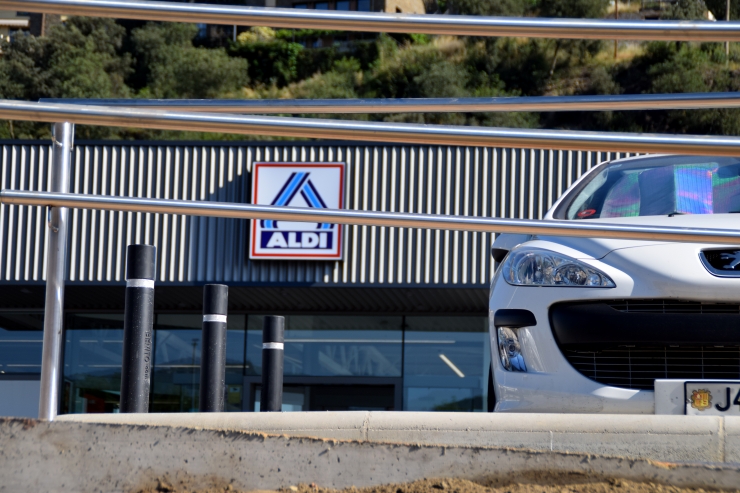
column 333, row 398
column 363, row 5
column 445, row 363
column 176, row 372
column 92, row 363
column 321, row 5
column 93, row 357
column 343, row 5
column 333, row 345
column 21, row 337
column 176, row 375
column 442, row 399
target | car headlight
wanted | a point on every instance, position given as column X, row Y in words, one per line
column 537, row 267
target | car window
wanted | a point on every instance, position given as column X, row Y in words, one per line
column 655, row 187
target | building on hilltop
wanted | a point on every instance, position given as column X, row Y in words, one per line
column 216, row 32
column 10, row 22
column 30, row 23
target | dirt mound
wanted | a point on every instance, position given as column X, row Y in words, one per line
column 574, row 484
column 566, row 483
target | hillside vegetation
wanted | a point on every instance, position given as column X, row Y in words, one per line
column 102, row 58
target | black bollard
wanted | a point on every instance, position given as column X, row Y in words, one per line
column 213, row 349
column 138, row 320
column 272, row 364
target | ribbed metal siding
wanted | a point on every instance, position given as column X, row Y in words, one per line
column 23, row 229
column 427, row 179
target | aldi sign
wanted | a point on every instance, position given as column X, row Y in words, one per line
column 318, row 185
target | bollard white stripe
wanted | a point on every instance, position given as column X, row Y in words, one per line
column 273, row 345
column 140, row 283
column 214, row 318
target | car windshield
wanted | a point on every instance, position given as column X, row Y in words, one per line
column 657, row 187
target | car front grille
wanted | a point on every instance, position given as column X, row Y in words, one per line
column 630, row 343
column 638, row 367
column 672, row 306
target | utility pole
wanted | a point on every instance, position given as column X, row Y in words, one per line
column 727, row 43
column 616, row 17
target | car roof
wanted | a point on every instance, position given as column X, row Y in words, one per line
column 639, row 157
column 680, row 159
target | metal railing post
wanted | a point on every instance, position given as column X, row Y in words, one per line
column 62, row 141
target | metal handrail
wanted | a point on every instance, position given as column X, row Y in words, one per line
column 407, row 133
column 391, row 23
column 621, row 102
column 581, row 229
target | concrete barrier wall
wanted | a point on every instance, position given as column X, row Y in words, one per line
column 665, row 438
column 85, row 457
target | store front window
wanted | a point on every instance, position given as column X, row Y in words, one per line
column 21, row 337
column 176, row 374
column 328, row 345
column 332, row 362
column 334, row 398
column 445, row 363
column 93, row 352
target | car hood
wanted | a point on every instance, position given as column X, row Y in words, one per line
column 599, row 247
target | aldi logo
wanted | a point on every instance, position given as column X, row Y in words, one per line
column 317, row 185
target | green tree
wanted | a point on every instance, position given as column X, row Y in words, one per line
column 521, row 65
column 24, row 68
column 399, row 72
column 573, row 9
column 439, row 69
column 692, row 69
column 512, row 8
column 81, row 58
column 667, row 67
column 78, row 59
column 175, row 68
column 342, row 82
column 273, row 60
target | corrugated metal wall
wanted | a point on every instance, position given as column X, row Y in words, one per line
column 427, row 179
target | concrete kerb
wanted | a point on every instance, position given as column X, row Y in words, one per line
column 665, row 438
column 66, row 456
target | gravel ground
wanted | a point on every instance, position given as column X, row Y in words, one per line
column 535, row 484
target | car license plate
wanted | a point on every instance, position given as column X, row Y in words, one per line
column 712, row 398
